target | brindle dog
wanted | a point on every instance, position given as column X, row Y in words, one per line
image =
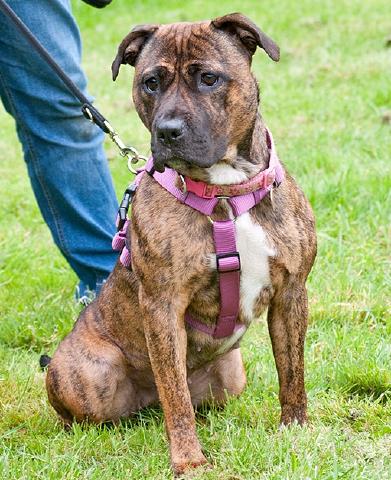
column 130, row 348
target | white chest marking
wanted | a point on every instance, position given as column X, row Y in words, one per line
column 252, row 245
column 254, row 253
column 224, row 174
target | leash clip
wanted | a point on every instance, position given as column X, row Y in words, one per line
column 131, row 153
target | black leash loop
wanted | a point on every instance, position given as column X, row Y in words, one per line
column 93, row 114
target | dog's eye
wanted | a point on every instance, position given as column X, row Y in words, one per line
column 209, row 79
column 151, row 84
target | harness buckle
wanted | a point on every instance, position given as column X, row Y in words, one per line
column 124, row 205
column 226, row 266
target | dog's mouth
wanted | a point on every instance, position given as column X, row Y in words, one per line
column 185, row 145
column 194, row 150
column 182, row 164
column 160, row 161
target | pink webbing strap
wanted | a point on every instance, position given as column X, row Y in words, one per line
column 119, row 243
column 119, row 239
column 228, row 266
column 274, row 161
column 168, row 180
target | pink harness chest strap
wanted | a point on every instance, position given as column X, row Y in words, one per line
column 120, row 242
column 224, row 232
column 228, row 267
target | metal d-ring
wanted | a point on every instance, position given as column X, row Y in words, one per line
column 133, row 158
column 182, row 179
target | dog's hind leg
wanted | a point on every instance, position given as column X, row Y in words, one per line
column 90, row 384
column 219, row 379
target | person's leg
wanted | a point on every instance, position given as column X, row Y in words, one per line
column 63, row 151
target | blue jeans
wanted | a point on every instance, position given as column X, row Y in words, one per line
column 63, row 151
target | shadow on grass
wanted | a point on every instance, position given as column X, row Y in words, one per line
column 145, row 418
column 375, row 388
column 346, row 313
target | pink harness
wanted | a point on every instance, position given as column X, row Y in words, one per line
column 203, row 198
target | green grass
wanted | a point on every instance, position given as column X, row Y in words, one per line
column 324, row 103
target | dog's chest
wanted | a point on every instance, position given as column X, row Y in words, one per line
column 254, row 249
column 253, row 246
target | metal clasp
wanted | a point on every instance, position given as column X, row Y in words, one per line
column 131, row 153
column 183, row 182
column 124, row 205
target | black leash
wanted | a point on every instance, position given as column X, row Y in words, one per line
column 88, row 110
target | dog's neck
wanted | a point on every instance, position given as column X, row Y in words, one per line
column 241, row 162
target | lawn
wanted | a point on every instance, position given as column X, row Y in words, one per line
column 328, row 104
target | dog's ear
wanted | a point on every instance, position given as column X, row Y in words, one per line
column 131, row 46
column 249, row 34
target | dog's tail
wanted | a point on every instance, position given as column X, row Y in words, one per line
column 44, row 361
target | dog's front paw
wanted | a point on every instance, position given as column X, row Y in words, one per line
column 182, row 465
column 293, row 414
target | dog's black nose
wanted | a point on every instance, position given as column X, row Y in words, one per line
column 170, row 131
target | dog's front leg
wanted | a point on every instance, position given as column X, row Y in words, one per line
column 167, row 343
column 287, row 320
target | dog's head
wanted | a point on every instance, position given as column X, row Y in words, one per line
column 193, row 87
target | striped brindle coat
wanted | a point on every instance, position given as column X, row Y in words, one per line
column 194, row 90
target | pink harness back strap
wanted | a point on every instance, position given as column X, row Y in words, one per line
column 224, row 232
